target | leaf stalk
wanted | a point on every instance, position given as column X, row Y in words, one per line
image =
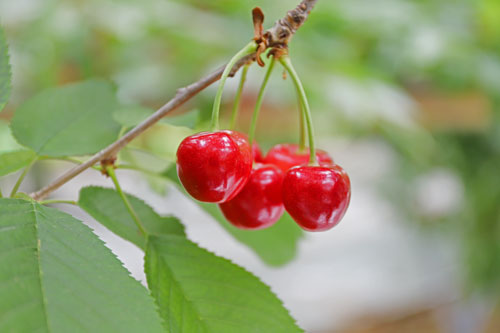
column 110, row 170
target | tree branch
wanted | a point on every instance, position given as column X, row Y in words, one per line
column 278, row 35
column 284, row 29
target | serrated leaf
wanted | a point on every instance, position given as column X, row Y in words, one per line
column 13, row 156
column 7, row 141
column 15, row 160
column 71, row 120
column 132, row 115
column 196, row 291
column 106, row 206
column 276, row 245
column 57, row 276
column 5, row 74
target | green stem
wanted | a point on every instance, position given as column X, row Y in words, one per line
column 111, row 172
column 287, row 63
column 48, row 202
column 21, row 178
column 248, row 49
column 302, row 125
column 1, row 195
column 237, row 98
column 258, row 104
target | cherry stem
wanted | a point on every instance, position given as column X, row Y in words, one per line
column 110, row 170
column 237, row 98
column 248, row 49
column 306, row 111
column 302, row 126
column 260, row 99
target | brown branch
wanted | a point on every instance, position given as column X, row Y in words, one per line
column 277, row 36
column 284, row 29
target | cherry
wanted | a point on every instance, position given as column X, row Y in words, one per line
column 257, row 153
column 259, row 204
column 214, row 166
column 286, row 156
column 316, row 196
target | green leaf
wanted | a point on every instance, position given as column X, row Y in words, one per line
column 187, row 119
column 132, row 115
column 15, row 160
column 13, row 156
column 143, row 159
column 75, row 119
column 276, row 245
column 57, row 276
column 164, row 140
column 7, row 141
column 5, row 75
column 106, row 206
column 197, row 291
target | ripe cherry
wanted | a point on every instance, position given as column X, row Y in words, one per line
column 257, row 153
column 316, row 196
column 286, row 156
column 214, row 166
column 259, row 204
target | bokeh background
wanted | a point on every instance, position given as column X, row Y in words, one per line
column 405, row 96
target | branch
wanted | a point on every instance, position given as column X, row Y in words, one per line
column 279, row 35
column 284, row 29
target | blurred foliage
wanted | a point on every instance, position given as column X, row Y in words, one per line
column 372, row 69
column 5, row 75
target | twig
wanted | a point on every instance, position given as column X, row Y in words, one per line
column 283, row 30
column 277, row 36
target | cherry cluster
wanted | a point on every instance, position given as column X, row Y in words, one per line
column 253, row 191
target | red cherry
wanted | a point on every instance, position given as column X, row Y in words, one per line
column 259, row 204
column 257, row 153
column 286, row 156
column 316, row 197
column 214, row 167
